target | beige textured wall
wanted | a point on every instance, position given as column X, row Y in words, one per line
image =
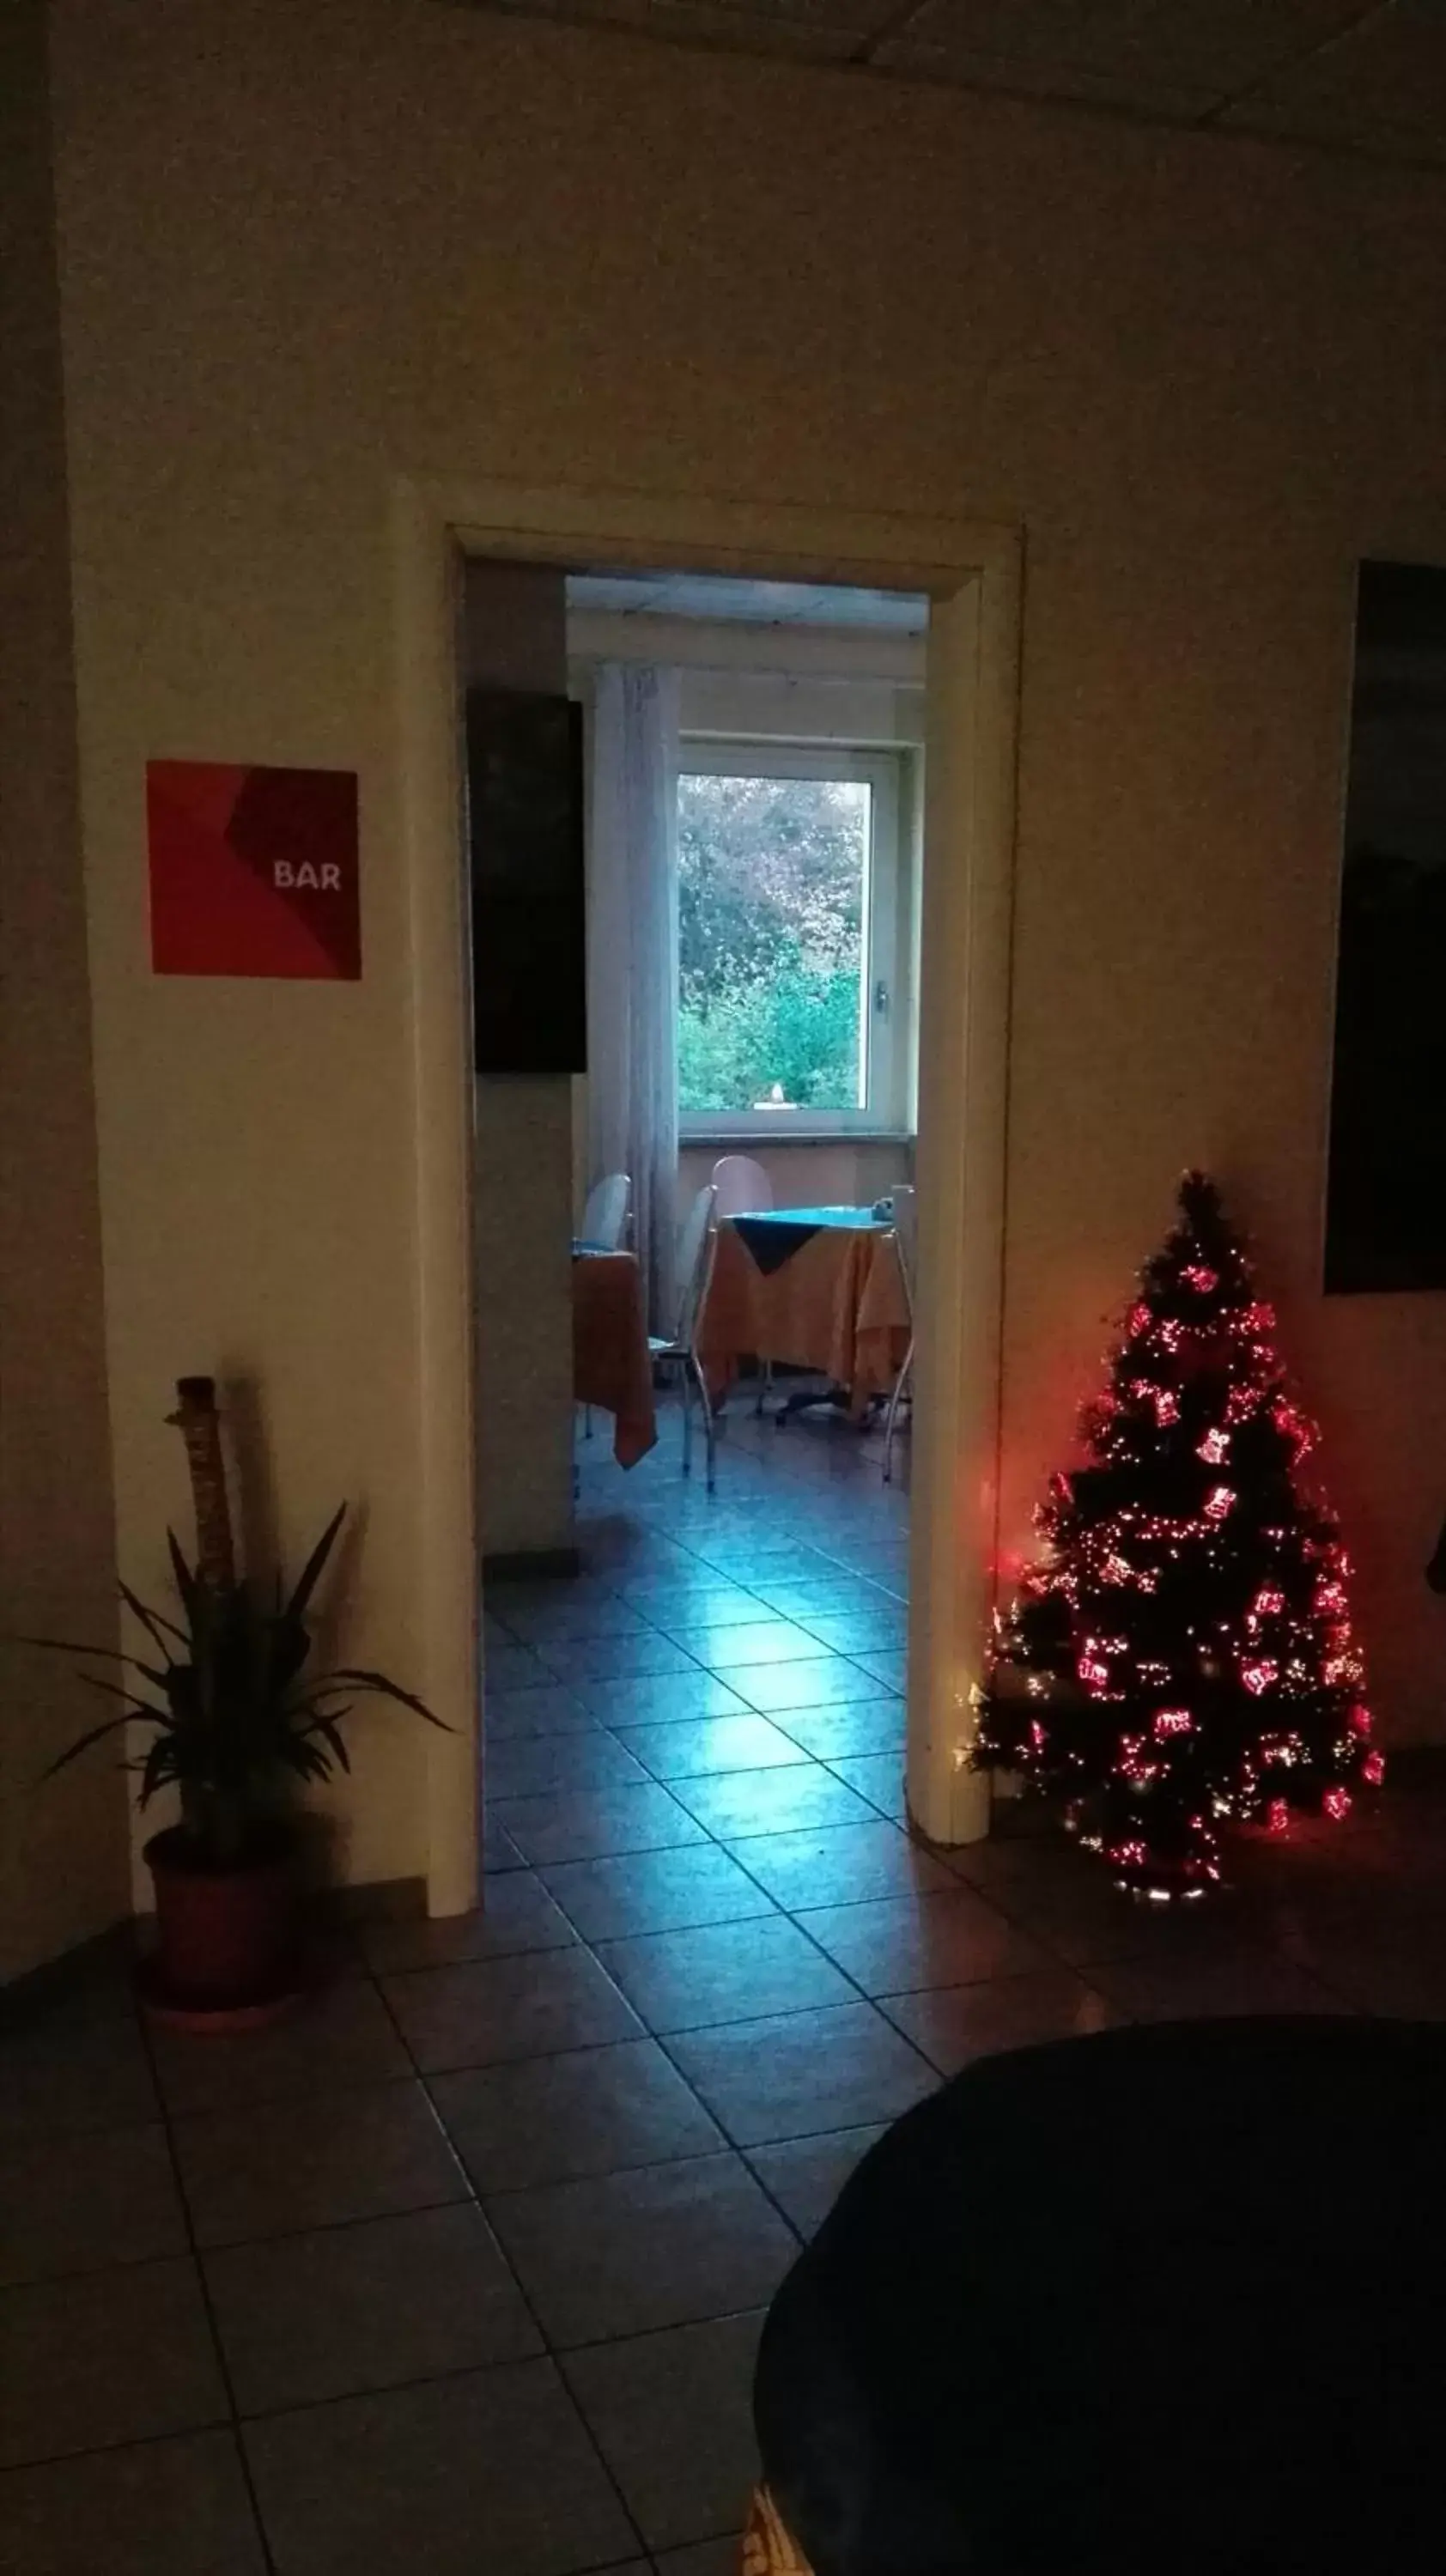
column 308, row 250
column 62, row 1848
column 514, row 626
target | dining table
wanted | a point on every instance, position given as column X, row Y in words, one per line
column 612, row 1370
column 817, row 1288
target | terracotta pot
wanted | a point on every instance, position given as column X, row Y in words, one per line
column 226, row 1938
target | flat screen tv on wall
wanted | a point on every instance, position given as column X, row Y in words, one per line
column 525, row 841
column 1386, row 1212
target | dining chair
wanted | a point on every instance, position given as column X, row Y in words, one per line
column 695, row 1262
column 744, row 1189
column 906, row 1241
column 605, row 1217
column 743, row 1186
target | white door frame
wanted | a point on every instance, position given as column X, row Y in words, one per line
column 971, row 573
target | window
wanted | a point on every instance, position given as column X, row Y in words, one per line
column 791, row 932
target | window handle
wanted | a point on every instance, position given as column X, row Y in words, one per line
column 881, row 999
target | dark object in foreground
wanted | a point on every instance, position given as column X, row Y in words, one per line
column 1164, row 2299
column 1436, row 1570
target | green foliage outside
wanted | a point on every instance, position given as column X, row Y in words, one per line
column 771, row 878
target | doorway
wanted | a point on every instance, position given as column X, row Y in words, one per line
column 970, row 578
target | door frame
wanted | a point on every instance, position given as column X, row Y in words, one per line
column 971, row 573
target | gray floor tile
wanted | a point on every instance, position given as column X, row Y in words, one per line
column 317, row 2161
column 610, row 1659
column 860, row 1727
column 955, row 2024
column 152, row 2509
column 841, row 1865
column 540, row 1765
column 710, row 1602
column 825, row 1681
column 896, row 1944
column 110, row 2357
column 499, row 1851
column 511, row 1667
column 887, row 1665
column 878, row 1777
column 859, row 1632
column 661, row 1699
column 673, row 2417
column 66, row 2073
column 1237, row 1980
column 630, row 2251
column 704, row 2558
column 585, row 1615
column 493, row 2009
column 791, row 1799
column 837, row 1596
column 806, row 2175
column 517, row 1914
column 343, row 2309
column 589, row 1824
column 77, row 2202
column 699, row 1745
column 723, row 1972
column 557, row 2119
column 765, row 1641
column 491, row 2469
column 545, row 1708
column 654, row 1891
column 340, row 2035
column 802, row 2074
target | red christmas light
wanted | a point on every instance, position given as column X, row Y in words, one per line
column 1373, row 1769
column 1277, row 1816
column 1180, row 1643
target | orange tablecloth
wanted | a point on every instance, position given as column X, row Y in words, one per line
column 836, row 1304
column 610, row 1364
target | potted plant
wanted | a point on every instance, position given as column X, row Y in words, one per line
column 236, row 1718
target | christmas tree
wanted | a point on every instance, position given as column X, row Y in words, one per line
column 1182, row 1654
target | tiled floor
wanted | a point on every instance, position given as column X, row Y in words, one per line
column 460, row 2267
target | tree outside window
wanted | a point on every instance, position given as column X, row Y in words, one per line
column 773, row 904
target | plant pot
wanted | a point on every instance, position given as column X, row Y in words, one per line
column 226, row 1937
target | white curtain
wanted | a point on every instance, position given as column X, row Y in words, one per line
column 632, row 958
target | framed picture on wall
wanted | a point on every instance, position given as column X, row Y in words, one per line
column 1386, row 1207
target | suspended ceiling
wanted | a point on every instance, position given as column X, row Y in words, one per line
column 1364, row 78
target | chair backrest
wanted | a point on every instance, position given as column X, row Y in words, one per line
column 742, row 1185
column 606, row 1212
column 906, row 1235
column 695, row 1255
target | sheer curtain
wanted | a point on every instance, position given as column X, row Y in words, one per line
column 632, row 962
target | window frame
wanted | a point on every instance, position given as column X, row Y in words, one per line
column 886, row 770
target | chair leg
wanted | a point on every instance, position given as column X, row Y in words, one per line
column 765, row 1384
column 710, row 1432
column 893, row 1414
column 587, row 1422
column 687, row 1420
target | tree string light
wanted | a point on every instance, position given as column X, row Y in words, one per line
column 1185, row 1642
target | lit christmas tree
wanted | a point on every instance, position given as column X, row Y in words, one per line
column 1182, row 1655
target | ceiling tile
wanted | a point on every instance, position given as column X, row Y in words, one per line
column 1383, row 85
